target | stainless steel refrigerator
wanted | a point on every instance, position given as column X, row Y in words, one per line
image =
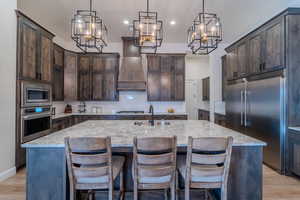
column 257, row 109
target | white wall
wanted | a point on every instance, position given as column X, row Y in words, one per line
column 7, row 86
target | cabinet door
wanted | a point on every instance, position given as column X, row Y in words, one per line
column 46, row 59
column 179, row 78
column 84, row 89
column 58, row 74
column 232, row 64
column 58, row 83
column 70, row 76
column 255, row 53
column 166, row 67
column 28, row 49
column 294, row 152
column 98, row 68
column 153, row 76
column 274, row 50
column 242, row 59
column 224, row 77
column 111, row 78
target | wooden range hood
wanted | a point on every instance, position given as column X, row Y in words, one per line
column 131, row 76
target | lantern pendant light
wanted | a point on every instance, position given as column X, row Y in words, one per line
column 205, row 34
column 148, row 31
column 89, row 31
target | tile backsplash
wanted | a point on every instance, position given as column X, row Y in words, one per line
column 128, row 101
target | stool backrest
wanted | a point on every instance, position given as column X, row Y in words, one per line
column 154, row 157
column 89, row 161
column 208, row 161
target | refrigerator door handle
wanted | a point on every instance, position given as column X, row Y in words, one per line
column 242, row 101
column 245, row 107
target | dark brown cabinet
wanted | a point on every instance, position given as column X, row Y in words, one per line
column 97, row 77
column 70, row 76
column 203, row 115
column 294, row 152
column 84, row 75
column 224, row 77
column 260, row 51
column 274, row 45
column 58, row 74
column 105, row 70
column 166, row 78
column 205, row 89
column 34, row 50
column 220, row 119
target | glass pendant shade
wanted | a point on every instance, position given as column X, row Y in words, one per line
column 148, row 31
column 88, row 30
column 205, row 34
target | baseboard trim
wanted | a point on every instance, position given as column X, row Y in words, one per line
column 8, row 173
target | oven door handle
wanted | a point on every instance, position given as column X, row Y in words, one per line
column 28, row 117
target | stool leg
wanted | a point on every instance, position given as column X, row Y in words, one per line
column 206, row 195
column 166, row 194
column 135, row 191
column 173, row 188
column 121, row 184
column 187, row 193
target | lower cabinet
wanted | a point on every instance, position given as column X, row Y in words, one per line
column 294, row 152
column 220, row 119
column 65, row 122
column 62, row 123
column 203, row 115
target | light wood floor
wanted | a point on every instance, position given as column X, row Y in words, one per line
column 276, row 187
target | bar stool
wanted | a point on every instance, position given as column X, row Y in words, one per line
column 206, row 165
column 154, row 164
column 92, row 167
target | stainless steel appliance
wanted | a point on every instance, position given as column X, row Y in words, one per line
column 257, row 109
column 35, row 94
column 35, row 122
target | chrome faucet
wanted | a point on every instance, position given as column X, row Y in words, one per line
column 151, row 110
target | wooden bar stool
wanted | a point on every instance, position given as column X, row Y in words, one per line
column 92, row 167
column 206, row 165
column 154, row 164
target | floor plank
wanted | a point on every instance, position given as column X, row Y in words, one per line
column 276, row 187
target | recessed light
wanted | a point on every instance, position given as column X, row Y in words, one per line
column 126, row 22
column 173, row 22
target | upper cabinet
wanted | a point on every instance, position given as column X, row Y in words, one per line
column 166, row 77
column 58, row 74
column 70, row 76
column 35, row 50
column 105, row 70
column 97, row 77
column 205, row 89
column 260, row 51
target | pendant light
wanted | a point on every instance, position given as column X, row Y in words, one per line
column 148, row 31
column 205, row 34
column 88, row 30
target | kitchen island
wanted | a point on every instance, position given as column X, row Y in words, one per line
column 46, row 165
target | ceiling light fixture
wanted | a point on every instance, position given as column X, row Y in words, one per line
column 148, row 31
column 205, row 34
column 173, row 22
column 88, row 30
column 126, row 22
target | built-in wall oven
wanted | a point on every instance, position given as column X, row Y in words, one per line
column 35, row 122
column 36, row 103
column 35, row 94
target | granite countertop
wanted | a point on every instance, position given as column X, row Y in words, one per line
column 123, row 131
column 61, row 115
column 296, row 128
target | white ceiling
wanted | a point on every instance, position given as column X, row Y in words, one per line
column 238, row 16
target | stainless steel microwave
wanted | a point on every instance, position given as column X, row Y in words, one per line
column 36, row 94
